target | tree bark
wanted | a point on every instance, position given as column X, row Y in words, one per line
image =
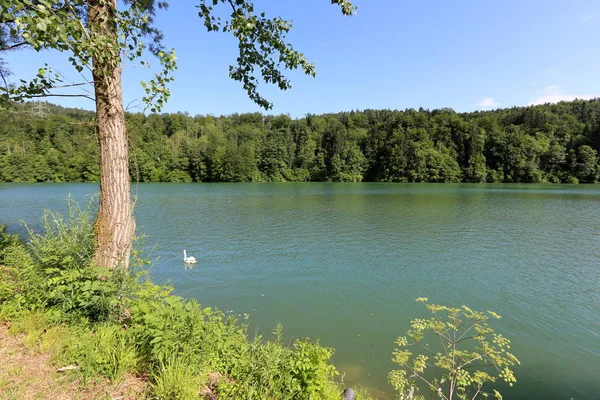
column 114, row 227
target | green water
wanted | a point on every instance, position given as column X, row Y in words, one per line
column 344, row 263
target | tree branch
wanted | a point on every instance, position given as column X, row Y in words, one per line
column 480, row 356
column 481, row 365
column 68, row 3
column 60, row 95
column 476, row 393
column 232, row 6
column 72, row 85
column 14, row 46
column 471, row 327
column 429, row 384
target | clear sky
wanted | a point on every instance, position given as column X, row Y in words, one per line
column 396, row 54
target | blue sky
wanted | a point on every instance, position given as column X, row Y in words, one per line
column 396, row 54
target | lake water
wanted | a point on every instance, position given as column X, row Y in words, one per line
column 344, row 263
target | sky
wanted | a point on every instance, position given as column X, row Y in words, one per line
column 393, row 54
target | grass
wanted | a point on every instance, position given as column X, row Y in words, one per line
column 29, row 372
column 121, row 332
column 177, row 378
column 125, row 337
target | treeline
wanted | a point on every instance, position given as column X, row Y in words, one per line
column 547, row 143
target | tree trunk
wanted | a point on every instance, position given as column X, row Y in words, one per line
column 114, row 226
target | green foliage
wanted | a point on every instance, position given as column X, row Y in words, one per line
column 101, row 350
column 53, row 272
column 65, row 243
column 262, row 44
column 7, row 240
column 54, row 340
column 270, row 370
column 73, row 27
column 311, row 369
column 61, row 276
column 41, row 335
column 165, row 326
column 12, row 253
column 176, row 379
column 110, row 325
column 9, row 284
column 14, row 289
column 69, row 26
column 10, row 245
column 462, row 355
column 30, row 323
column 388, row 146
column 107, row 351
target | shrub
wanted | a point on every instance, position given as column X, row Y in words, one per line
column 61, row 276
column 10, row 285
column 166, row 326
column 464, row 350
column 271, row 370
column 64, row 244
column 109, row 323
column 7, row 240
column 13, row 256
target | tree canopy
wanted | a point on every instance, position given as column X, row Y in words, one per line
column 99, row 37
column 65, row 26
column 547, row 143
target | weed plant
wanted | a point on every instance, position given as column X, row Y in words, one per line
column 113, row 323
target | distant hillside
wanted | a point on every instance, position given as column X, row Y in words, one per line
column 41, row 142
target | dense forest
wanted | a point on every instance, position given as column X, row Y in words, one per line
column 41, row 142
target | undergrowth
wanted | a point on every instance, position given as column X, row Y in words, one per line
column 108, row 324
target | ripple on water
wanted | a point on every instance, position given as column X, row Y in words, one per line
column 344, row 262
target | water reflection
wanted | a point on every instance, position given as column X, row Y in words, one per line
column 344, row 263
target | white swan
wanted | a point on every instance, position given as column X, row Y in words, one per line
column 188, row 260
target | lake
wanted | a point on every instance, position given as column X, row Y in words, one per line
column 345, row 262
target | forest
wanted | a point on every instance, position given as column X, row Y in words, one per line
column 554, row 143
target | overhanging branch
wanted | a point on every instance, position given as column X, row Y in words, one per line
column 14, row 46
column 60, row 95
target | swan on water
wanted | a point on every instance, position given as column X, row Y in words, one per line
column 188, row 260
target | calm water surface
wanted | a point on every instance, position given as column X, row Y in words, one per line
column 344, row 263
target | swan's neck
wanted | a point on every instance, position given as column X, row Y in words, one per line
column 184, row 254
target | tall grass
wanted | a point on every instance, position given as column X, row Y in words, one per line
column 61, row 274
column 177, row 379
column 111, row 324
column 105, row 350
column 65, row 243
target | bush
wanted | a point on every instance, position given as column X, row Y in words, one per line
column 10, row 284
column 7, row 240
column 11, row 252
column 64, row 244
column 14, row 291
column 111, row 323
column 270, row 370
column 61, row 276
column 464, row 350
column 166, row 326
